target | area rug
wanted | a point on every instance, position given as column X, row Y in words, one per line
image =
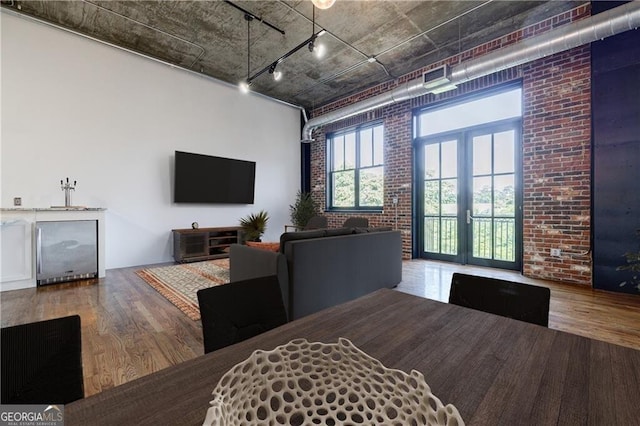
column 179, row 284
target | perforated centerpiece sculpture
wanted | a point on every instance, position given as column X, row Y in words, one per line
column 303, row 383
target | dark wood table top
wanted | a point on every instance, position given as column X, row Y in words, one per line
column 495, row 370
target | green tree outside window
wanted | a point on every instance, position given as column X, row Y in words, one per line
column 356, row 175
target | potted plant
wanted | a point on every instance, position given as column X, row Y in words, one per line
column 303, row 209
column 633, row 265
column 254, row 225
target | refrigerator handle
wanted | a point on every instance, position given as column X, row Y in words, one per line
column 38, row 250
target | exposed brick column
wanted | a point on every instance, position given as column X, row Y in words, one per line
column 398, row 172
column 557, row 166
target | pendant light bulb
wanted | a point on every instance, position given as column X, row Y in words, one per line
column 323, row 4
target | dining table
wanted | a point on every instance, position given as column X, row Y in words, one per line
column 494, row 370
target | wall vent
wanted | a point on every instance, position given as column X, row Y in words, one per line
column 436, row 77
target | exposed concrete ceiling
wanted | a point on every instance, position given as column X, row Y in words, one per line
column 210, row 37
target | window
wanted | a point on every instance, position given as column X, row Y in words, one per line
column 356, row 168
column 467, row 175
column 488, row 109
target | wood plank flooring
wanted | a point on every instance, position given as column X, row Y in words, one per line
column 129, row 330
column 601, row 315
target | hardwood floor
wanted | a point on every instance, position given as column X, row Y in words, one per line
column 601, row 315
column 129, row 330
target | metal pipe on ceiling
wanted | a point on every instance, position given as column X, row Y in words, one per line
column 596, row 27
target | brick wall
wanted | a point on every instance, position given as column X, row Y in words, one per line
column 556, row 152
column 557, row 166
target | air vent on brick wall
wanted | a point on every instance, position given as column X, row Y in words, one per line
column 437, row 80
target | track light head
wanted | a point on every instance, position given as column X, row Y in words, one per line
column 311, row 45
column 277, row 75
column 245, row 86
column 319, row 51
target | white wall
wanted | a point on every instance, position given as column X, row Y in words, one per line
column 73, row 107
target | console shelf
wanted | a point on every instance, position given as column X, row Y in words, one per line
column 192, row 245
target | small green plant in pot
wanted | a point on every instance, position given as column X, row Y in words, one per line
column 633, row 265
column 254, row 225
column 303, row 209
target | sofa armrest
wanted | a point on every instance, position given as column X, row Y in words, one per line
column 247, row 262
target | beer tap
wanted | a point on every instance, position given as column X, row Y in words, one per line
column 67, row 188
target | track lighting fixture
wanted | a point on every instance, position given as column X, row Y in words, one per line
column 245, row 85
column 316, row 48
column 307, row 43
column 257, row 18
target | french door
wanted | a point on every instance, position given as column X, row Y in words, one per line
column 469, row 196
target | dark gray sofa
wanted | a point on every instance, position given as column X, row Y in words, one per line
column 322, row 268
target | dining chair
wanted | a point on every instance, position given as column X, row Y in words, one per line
column 42, row 362
column 519, row 301
column 233, row 312
column 356, row 222
column 316, row 222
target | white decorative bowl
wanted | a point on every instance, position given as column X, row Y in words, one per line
column 303, row 383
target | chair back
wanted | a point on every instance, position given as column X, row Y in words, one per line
column 233, row 312
column 523, row 302
column 316, row 222
column 356, row 222
column 42, row 362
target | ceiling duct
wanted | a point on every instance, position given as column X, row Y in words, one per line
column 597, row 27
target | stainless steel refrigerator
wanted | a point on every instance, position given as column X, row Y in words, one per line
column 66, row 251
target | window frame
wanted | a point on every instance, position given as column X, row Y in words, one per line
column 466, row 256
column 329, row 169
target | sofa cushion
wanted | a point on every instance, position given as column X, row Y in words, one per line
column 334, row 232
column 300, row 235
column 360, row 230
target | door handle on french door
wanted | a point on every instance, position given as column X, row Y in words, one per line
column 469, row 217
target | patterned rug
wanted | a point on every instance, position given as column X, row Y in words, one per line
column 180, row 283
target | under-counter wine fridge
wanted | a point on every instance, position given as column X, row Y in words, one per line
column 66, row 251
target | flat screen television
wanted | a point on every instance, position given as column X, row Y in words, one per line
column 207, row 179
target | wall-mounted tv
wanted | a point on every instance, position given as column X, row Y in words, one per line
column 207, row 179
